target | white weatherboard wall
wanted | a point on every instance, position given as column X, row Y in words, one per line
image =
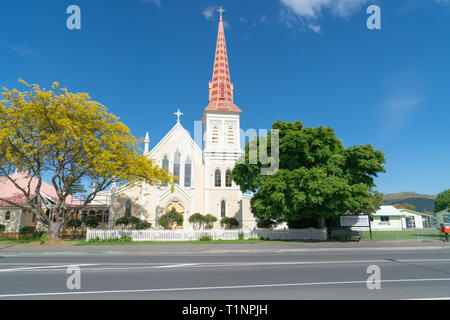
column 396, row 219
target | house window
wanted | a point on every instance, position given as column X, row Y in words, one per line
column 128, row 209
column 223, row 209
column 8, row 215
column 33, row 219
column 385, row 219
column 218, row 179
column 187, row 173
column 176, row 166
column 165, row 166
column 228, row 181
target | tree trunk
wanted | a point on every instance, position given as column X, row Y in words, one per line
column 54, row 229
column 322, row 224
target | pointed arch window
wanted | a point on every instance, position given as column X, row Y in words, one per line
column 217, row 179
column 228, row 182
column 128, row 206
column 176, row 166
column 223, row 209
column 165, row 166
column 8, row 215
column 187, row 173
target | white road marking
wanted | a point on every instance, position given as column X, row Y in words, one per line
column 430, row 299
column 146, row 266
column 215, row 288
column 46, row 267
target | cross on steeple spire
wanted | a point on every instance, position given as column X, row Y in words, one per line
column 221, row 11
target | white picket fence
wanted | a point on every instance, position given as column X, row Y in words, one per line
column 192, row 235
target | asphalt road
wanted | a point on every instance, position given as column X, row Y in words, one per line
column 421, row 273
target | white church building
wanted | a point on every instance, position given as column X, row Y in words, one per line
column 203, row 185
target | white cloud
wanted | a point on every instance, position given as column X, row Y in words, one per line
column 157, row 2
column 308, row 12
column 226, row 24
column 19, row 49
column 208, row 12
column 403, row 96
column 312, row 9
column 315, row 28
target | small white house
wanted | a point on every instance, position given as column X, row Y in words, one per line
column 388, row 218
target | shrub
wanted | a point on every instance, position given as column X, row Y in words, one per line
column 197, row 220
column 266, row 224
column 143, row 225
column 92, row 222
column 2, row 228
column 27, row 231
column 130, row 222
column 229, row 223
column 38, row 234
column 74, row 224
column 43, row 238
column 241, row 236
column 125, row 239
column 205, row 238
column 171, row 220
column 209, row 221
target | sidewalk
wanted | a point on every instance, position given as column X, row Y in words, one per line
column 183, row 249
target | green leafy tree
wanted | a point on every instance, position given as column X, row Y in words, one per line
column 197, row 220
column 171, row 220
column 74, row 224
column 209, row 221
column 442, row 201
column 129, row 222
column 229, row 223
column 266, row 224
column 317, row 178
column 27, row 230
column 143, row 225
column 92, row 222
column 375, row 203
column 73, row 140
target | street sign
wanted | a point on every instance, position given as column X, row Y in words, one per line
column 355, row 221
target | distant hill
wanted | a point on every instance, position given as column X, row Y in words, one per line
column 422, row 202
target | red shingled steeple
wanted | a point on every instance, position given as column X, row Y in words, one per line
column 221, row 88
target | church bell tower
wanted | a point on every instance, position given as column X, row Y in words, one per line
column 221, row 146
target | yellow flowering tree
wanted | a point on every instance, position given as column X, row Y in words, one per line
column 73, row 140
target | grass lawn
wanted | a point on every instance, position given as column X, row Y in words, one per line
column 426, row 234
column 34, row 242
column 94, row 243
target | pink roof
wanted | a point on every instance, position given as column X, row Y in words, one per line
column 221, row 88
column 9, row 191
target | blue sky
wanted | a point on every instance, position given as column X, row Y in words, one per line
column 309, row 60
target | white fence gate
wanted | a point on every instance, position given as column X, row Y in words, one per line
column 192, row 235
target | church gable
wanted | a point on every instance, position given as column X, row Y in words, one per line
column 176, row 139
